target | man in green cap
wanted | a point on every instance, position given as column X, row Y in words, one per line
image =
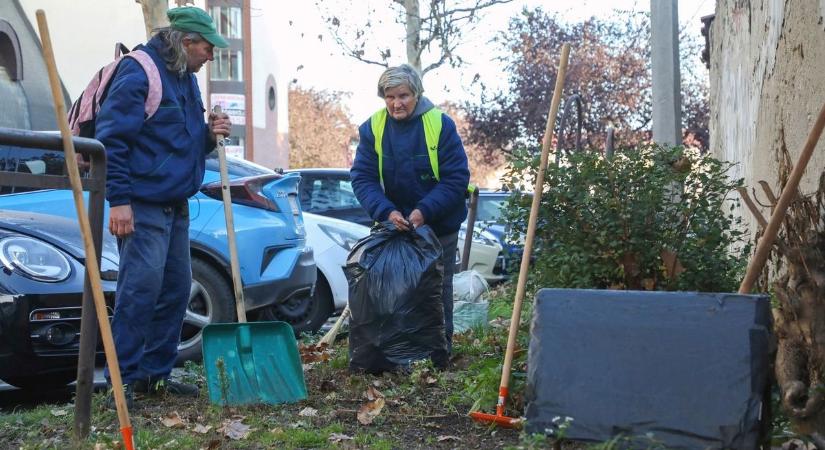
column 154, row 164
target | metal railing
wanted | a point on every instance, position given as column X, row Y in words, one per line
column 94, row 169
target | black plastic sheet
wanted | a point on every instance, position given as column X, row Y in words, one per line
column 395, row 280
column 677, row 370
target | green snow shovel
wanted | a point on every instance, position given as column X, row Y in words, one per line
column 248, row 363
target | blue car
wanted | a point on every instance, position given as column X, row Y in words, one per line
column 277, row 268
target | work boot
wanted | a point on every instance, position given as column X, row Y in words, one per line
column 166, row 387
column 128, row 392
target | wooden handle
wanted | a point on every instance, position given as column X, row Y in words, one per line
column 329, row 338
column 92, row 269
column 240, row 304
column 763, row 249
column 531, row 224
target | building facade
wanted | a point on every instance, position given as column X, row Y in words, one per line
column 84, row 34
column 767, row 85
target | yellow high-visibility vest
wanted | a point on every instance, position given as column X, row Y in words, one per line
column 432, row 133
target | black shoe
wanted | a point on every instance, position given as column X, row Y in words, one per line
column 166, row 387
column 128, row 392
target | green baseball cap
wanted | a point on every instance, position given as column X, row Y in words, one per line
column 194, row 19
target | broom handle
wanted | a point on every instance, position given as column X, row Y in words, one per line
column 240, row 304
column 763, row 249
column 329, row 338
column 92, row 269
column 531, row 230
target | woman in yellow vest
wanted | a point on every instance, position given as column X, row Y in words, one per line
column 411, row 169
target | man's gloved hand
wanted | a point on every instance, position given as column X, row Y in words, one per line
column 399, row 221
column 121, row 221
column 416, row 218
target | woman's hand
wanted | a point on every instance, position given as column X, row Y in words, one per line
column 399, row 221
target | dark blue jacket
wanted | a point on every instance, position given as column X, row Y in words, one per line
column 408, row 175
column 160, row 160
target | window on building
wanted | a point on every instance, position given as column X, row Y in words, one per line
column 228, row 65
column 228, row 20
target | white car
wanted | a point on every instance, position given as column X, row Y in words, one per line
column 486, row 255
column 331, row 240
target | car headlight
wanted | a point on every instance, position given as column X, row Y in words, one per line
column 341, row 237
column 35, row 259
column 485, row 237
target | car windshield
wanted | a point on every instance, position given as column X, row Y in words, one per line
column 489, row 207
column 237, row 167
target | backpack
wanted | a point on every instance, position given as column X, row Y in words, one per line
column 84, row 110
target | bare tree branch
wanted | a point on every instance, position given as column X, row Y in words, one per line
column 438, row 32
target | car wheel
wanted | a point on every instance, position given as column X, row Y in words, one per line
column 210, row 301
column 44, row 381
column 306, row 314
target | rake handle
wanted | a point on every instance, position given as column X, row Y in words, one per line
column 92, row 268
column 531, row 230
column 240, row 304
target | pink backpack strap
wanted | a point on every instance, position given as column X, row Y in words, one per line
column 152, row 74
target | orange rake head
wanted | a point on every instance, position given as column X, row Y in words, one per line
column 498, row 418
column 495, row 419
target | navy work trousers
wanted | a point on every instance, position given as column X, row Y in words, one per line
column 153, row 285
column 449, row 246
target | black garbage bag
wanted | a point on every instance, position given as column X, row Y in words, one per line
column 395, row 280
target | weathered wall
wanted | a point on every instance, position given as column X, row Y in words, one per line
column 767, row 85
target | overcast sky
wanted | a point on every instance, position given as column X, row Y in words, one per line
column 323, row 66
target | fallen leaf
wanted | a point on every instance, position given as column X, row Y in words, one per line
column 214, row 444
column 377, row 383
column 448, row 438
column 202, row 429
column 173, row 420
column 298, row 424
column 235, row 430
column 308, row 412
column 338, row 437
column 276, row 430
column 372, row 394
column 59, row 412
column 370, row 410
column 431, row 380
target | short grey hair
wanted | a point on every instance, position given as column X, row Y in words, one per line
column 404, row 74
column 173, row 52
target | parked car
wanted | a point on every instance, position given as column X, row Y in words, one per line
column 41, row 287
column 328, row 192
column 277, row 267
column 331, row 241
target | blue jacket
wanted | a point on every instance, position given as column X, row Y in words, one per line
column 408, row 175
column 160, row 160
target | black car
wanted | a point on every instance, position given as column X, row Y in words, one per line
column 41, row 287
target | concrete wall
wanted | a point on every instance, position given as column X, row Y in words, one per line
column 767, row 85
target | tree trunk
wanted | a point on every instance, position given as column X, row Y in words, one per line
column 413, row 27
column 154, row 14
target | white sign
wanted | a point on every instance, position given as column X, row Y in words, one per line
column 234, row 150
column 232, row 104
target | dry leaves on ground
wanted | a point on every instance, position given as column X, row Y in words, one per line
column 173, row 420
column 234, row 429
column 308, row 412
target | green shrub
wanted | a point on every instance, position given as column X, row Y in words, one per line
column 614, row 223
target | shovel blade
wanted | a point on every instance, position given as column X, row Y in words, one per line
column 251, row 363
